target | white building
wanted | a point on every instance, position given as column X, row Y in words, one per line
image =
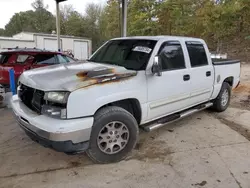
column 80, row 47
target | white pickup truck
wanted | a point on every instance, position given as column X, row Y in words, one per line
column 98, row 106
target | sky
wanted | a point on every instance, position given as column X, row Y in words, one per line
column 10, row 7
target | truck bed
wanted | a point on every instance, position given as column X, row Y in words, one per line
column 225, row 69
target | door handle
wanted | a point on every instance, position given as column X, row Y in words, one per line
column 208, row 73
column 186, row 77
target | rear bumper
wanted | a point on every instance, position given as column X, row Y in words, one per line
column 61, row 135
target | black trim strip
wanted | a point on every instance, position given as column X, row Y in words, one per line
column 224, row 62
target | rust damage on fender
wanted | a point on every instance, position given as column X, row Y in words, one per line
column 102, row 76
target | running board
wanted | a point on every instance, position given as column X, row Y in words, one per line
column 172, row 118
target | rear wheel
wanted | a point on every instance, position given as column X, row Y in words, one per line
column 222, row 102
column 114, row 135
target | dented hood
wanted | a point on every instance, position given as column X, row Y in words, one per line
column 74, row 76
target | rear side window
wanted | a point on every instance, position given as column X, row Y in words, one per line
column 22, row 58
column 171, row 55
column 48, row 59
column 197, row 54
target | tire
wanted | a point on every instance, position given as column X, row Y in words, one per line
column 107, row 120
column 221, row 103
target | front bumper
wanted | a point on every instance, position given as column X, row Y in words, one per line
column 60, row 146
column 61, row 135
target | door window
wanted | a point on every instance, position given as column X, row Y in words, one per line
column 21, row 59
column 171, row 55
column 197, row 54
column 48, row 59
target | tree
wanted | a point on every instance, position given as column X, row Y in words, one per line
column 22, row 21
column 111, row 17
column 92, row 21
column 142, row 17
column 39, row 5
column 40, row 20
column 43, row 19
column 222, row 23
column 2, row 32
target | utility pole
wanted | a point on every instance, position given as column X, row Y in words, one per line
column 58, row 24
column 124, row 17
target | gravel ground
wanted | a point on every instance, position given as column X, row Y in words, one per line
column 203, row 150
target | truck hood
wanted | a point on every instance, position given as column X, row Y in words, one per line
column 73, row 76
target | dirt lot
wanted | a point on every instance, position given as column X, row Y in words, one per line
column 204, row 150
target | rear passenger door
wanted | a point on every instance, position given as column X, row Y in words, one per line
column 201, row 72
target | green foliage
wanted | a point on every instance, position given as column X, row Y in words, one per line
column 2, row 32
column 142, row 17
column 216, row 23
column 112, row 17
column 39, row 20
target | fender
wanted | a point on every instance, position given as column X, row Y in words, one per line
column 86, row 101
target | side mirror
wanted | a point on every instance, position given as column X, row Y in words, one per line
column 157, row 68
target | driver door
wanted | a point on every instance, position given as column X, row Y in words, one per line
column 170, row 92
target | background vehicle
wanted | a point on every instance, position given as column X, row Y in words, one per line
column 25, row 59
column 129, row 82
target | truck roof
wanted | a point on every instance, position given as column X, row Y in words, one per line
column 159, row 37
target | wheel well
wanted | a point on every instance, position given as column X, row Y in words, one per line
column 131, row 105
column 229, row 80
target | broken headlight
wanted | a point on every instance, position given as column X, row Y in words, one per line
column 56, row 104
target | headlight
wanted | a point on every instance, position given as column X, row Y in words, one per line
column 55, row 112
column 57, row 97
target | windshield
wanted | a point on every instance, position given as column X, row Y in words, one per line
column 131, row 54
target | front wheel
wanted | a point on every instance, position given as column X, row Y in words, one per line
column 222, row 101
column 114, row 135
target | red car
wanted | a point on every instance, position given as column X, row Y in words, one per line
column 25, row 59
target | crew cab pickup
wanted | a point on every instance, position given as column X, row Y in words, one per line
column 98, row 106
